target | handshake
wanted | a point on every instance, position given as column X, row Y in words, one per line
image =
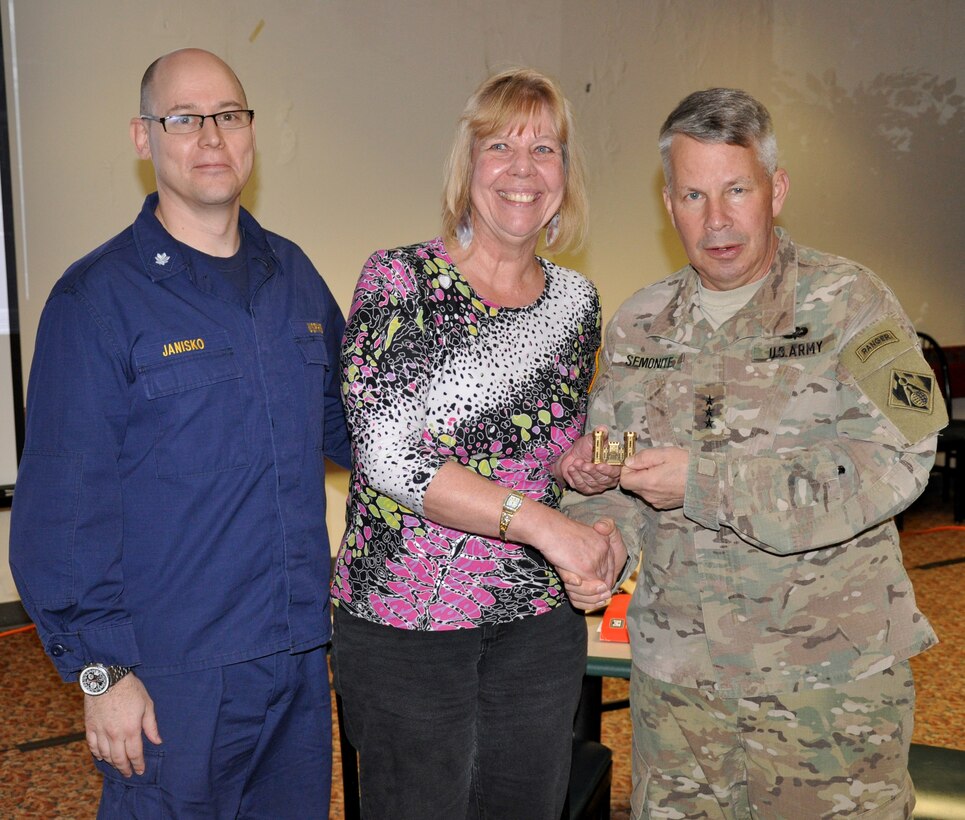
column 595, row 464
column 592, row 590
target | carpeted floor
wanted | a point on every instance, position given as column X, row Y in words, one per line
column 45, row 769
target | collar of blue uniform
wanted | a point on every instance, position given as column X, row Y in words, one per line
column 161, row 254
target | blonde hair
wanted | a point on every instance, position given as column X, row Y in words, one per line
column 515, row 97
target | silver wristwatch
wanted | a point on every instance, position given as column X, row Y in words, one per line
column 96, row 678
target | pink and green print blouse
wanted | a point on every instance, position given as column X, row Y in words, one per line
column 432, row 372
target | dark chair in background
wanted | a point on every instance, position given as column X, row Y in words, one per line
column 939, row 778
column 588, row 797
column 951, row 440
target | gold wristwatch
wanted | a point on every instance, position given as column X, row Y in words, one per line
column 510, row 507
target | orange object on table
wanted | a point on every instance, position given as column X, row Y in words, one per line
column 614, row 626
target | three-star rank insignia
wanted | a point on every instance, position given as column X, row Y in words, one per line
column 912, row 391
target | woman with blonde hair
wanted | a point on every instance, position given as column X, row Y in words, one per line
column 466, row 362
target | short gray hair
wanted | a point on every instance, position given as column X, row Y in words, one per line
column 726, row 115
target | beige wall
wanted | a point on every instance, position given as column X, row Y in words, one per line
column 356, row 101
column 874, row 150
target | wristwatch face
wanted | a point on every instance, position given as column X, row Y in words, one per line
column 513, row 502
column 94, row 679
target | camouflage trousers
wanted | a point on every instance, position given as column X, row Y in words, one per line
column 824, row 753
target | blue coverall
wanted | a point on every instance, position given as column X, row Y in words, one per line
column 169, row 510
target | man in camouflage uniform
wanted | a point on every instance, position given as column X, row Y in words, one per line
column 784, row 414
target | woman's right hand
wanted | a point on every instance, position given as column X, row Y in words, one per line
column 568, row 545
column 593, row 594
column 463, row 500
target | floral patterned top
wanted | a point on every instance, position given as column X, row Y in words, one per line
column 432, row 372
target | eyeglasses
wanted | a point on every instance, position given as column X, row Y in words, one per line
column 189, row 123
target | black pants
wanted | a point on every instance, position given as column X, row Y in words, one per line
column 468, row 723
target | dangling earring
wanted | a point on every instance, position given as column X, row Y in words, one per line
column 464, row 230
column 553, row 230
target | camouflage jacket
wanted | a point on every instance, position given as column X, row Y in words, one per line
column 810, row 417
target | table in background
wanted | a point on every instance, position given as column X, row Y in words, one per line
column 605, row 659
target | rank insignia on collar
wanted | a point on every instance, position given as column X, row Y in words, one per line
column 161, row 259
column 912, row 391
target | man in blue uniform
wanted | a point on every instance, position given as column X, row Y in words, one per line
column 168, row 535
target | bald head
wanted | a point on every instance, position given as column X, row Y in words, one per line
column 185, row 60
column 200, row 174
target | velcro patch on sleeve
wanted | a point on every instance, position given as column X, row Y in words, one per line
column 888, row 368
column 875, row 347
